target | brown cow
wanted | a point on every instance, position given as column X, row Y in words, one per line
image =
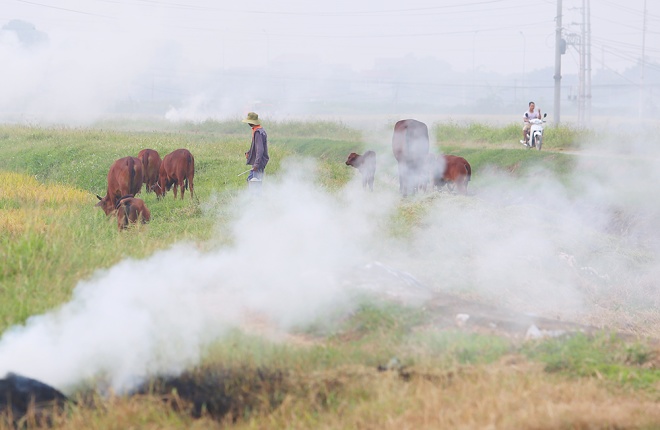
column 366, row 164
column 131, row 210
column 151, row 165
column 177, row 168
column 410, row 144
column 450, row 170
column 124, row 177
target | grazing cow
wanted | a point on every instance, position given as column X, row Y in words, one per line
column 450, row 170
column 151, row 165
column 410, row 144
column 131, row 210
column 366, row 164
column 124, row 177
column 177, row 168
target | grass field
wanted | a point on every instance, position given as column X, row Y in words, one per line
column 179, row 314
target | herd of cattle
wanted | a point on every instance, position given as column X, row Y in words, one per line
column 126, row 176
column 418, row 169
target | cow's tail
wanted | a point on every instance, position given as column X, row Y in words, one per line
column 131, row 174
column 144, row 158
column 191, row 174
column 190, row 166
column 469, row 171
column 126, row 207
column 145, row 170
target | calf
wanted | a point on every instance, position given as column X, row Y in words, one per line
column 124, row 177
column 150, row 166
column 366, row 164
column 449, row 170
column 177, row 168
column 131, row 210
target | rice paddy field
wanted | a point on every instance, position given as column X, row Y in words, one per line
column 530, row 303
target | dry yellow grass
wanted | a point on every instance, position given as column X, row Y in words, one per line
column 513, row 394
column 139, row 412
column 36, row 202
column 26, row 189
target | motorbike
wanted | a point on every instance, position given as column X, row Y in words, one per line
column 535, row 137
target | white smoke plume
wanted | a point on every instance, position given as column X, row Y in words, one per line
column 293, row 247
column 300, row 252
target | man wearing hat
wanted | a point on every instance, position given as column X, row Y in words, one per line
column 257, row 156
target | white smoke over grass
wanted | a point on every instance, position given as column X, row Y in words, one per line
column 293, row 246
column 300, row 252
column 201, row 107
column 550, row 247
column 507, row 251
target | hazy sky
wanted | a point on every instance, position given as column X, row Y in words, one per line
column 557, row 262
column 495, row 35
column 103, row 52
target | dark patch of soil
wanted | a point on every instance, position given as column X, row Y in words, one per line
column 218, row 392
column 28, row 400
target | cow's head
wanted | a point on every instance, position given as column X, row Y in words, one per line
column 352, row 158
column 158, row 189
column 106, row 204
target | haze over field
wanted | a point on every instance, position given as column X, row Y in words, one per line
column 532, row 242
column 75, row 61
column 303, row 255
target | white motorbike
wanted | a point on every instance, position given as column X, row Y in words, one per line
column 535, row 137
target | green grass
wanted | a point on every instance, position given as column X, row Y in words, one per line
column 57, row 245
column 555, row 138
column 608, row 357
column 452, row 347
column 41, row 267
column 516, row 162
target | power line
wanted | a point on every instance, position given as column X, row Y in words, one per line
column 64, row 9
column 382, row 35
column 640, row 13
column 370, row 12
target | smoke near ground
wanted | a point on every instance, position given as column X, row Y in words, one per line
column 293, row 248
column 301, row 253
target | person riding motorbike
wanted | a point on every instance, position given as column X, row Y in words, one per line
column 529, row 114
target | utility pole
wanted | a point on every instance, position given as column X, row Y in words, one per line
column 474, row 70
column 523, row 88
column 588, row 71
column 581, row 75
column 558, row 43
column 641, row 77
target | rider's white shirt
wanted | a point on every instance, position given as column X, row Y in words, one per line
column 531, row 115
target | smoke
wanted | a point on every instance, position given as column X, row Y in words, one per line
column 300, row 253
column 294, row 247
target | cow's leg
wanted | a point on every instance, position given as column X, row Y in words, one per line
column 461, row 185
column 190, row 184
column 404, row 179
column 420, row 175
column 174, row 186
column 182, row 185
column 412, row 180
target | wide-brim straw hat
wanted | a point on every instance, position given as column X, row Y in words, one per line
column 252, row 118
